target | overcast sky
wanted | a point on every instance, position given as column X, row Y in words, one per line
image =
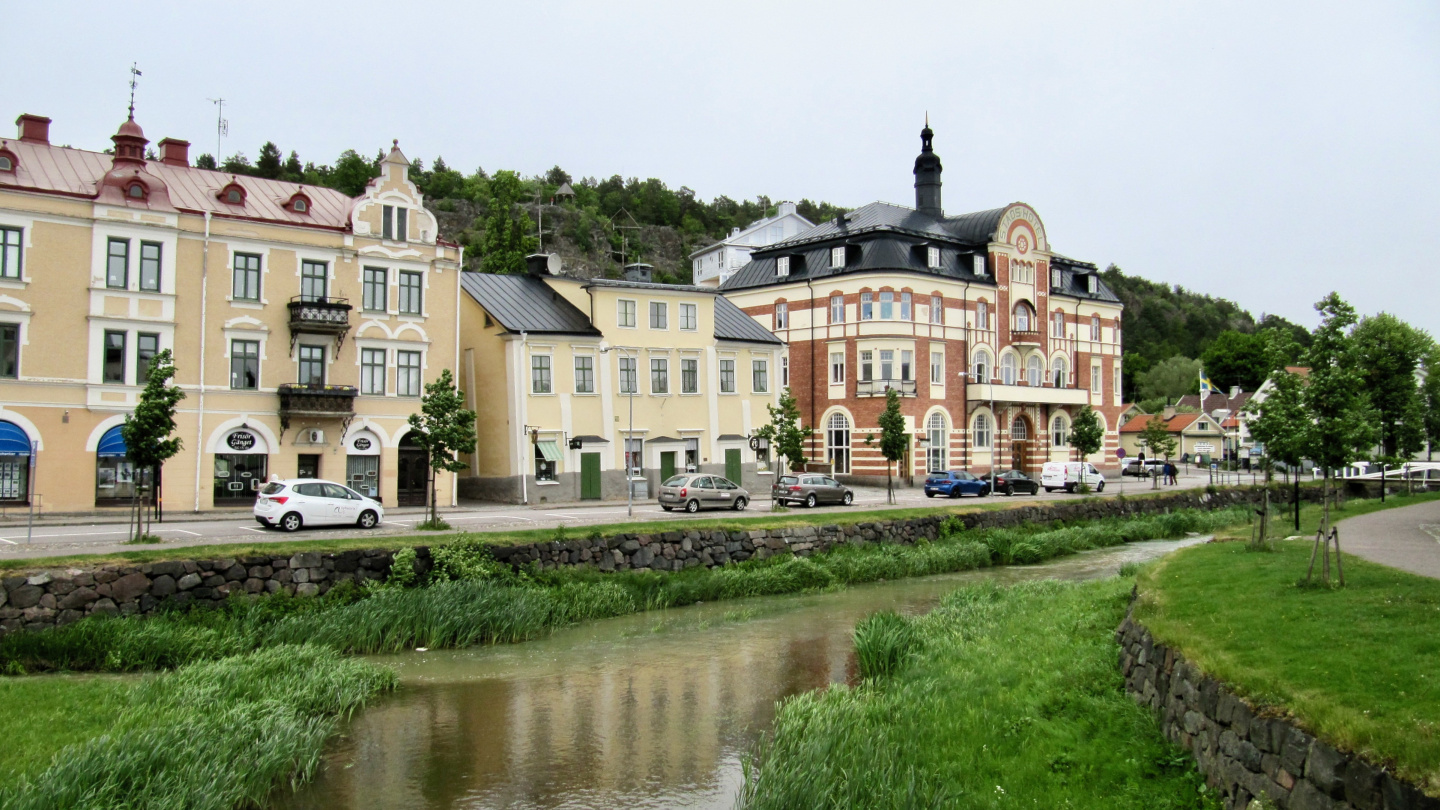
column 1264, row 152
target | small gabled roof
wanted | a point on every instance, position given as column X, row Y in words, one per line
column 526, row 304
column 731, row 323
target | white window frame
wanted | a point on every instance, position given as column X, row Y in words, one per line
column 981, row 432
column 694, row 363
column 932, row 256
column 633, row 389
column 689, row 317
column 837, row 368
column 542, row 373
column 867, row 306
column 726, row 364
column 621, row 312
column 587, row 372
column 782, row 315
column 659, row 316
column 782, row 266
column 759, row 370
column 837, row 309
column 401, row 383
column 367, row 371
column 937, row 310
column 937, row 368
column 660, row 370
column 837, row 257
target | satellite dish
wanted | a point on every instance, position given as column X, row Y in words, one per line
column 552, row 264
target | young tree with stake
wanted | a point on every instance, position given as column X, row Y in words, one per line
column 785, row 434
column 1156, row 436
column 147, row 431
column 894, row 441
column 445, row 428
column 1087, row 437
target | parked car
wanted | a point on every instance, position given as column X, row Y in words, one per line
column 1067, row 475
column 1011, row 482
column 1142, row 469
column 810, row 489
column 695, row 491
column 301, row 502
column 953, row 484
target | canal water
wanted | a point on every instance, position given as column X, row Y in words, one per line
column 651, row 710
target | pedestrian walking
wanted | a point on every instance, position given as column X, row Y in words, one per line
column 1171, row 473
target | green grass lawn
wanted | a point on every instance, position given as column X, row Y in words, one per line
column 1001, row 697
column 1355, row 665
column 757, row 519
column 41, row 715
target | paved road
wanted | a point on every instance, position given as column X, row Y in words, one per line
column 1407, row 538
column 58, row 537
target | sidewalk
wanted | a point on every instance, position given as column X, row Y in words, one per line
column 1407, row 538
column 11, row 518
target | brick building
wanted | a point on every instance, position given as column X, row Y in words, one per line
column 993, row 340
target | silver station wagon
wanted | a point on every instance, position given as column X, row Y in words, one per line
column 695, row 491
column 811, row 490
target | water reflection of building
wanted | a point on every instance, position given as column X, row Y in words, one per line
column 661, row 717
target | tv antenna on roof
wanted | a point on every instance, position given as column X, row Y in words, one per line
column 222, row 127
column 134, row 74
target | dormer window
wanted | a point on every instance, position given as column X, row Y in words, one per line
column 233, row 194
column 135, row 191
column 933, row 258
column 299, row 203
column 979, row 264
column 1092, row 284
column 7, row 162
column 837, row 256
column 782, row 266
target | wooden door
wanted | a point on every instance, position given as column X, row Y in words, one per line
column 590, row 476
column 667, row 465
column 732, row 464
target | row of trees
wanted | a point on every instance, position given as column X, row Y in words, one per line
column 444, row 427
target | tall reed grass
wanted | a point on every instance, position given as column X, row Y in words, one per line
column 213, row 736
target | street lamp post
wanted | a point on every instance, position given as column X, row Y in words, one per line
column 994, row 429
column 630, row 432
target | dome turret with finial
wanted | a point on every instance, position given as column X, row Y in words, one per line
column 927, row 175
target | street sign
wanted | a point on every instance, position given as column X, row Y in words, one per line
column 1120, row 452
column 1204, row 447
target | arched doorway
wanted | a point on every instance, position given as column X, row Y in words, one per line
column 241, row 467
column 1019, row 443
column 837, row 444
column 413, row 473
column 14, row 464
column 362, row 463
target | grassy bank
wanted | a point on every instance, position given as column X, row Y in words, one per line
column 216, row 735
column 1001, row 697
column 753, row 519
column 488, row 603
column 1354, row 665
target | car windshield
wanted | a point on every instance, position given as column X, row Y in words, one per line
column 272, row 488
column 937, row 477
column 963, row 476
column 788, row 480
column 676, row 481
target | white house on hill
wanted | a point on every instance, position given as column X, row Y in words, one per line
column 717, row 262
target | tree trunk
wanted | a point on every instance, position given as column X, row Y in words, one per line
column 1296, row 503
column 889, row 487
column 432, row 494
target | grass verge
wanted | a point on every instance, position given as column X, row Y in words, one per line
column 755, row 520
column 1354, row 665
column 1001, row 697
column 489, row 603
column 211, row 736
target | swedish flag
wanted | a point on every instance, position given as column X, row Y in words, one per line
column 1206, row 387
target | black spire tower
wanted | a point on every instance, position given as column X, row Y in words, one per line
column 927, row 176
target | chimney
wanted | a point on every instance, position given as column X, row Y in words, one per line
column 785, row 208
column 637, row 272
column 33, row 128
column 175, row 152
column 1234, row 391
column 1168, row 413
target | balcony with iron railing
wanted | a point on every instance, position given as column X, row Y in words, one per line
column 311, row 400
column 1029, row 337
column 319, row 316
column 877, row 388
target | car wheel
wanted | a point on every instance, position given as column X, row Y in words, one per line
column 368, row 519
column 1100, row 487
column 848, row 499
column 810, row 501
column 985, row 490
column 1049, row 489
column 1070, row 488
column 692, row 506
column 739, row 504
column 929, row 494
column 291, row 522
column 1009, row 490
column 664, row 508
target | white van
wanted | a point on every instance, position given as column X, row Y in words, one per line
column 1066, row 475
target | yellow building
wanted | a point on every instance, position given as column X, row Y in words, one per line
column 559, row 369
column 304, row 323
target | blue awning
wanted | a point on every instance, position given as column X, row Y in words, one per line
column 13, row 441
column 112, row 444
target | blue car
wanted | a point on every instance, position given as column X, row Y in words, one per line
column 953, row 484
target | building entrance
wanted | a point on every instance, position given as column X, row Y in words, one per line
column 413, row 473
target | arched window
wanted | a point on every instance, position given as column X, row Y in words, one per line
column 982, row 434
column 1094, row 327
column 1060, row 431
column 1034, row 370
column 1009, row 369
column 7, row 162
column 939, row 442
column 982, row 316
column 982, row 367
column 1024, row 318
column 1059, row 372
column 135, row 191
column 837, row 443
column 1019, row 429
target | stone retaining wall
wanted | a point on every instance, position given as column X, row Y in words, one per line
column 47, row 598
column 1247, row 756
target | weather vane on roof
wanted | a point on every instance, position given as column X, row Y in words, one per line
column 134, row 74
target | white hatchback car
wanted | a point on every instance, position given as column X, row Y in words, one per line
column 309, row 502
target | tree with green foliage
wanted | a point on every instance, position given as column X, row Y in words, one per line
column 1278, row 421
column 894, row 441
column 1086, row 434
column 445, row 428
column 1390, row 353
column 351, row 173
column 1335, row 397
column 269, row 164
column 1156, row 436
column 1170, row 379
column 1236, row 358
column 147, row 431
column 509, row 232
column 785, row 434
column 1430, row 401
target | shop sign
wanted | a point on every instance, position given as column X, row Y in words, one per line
column 1204, row 447
column 241, row 440
column 362, row 443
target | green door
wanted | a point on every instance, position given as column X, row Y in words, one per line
column 667, row 465
column 732, row 464
column 590, row 476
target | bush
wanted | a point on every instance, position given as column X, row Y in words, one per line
column 402, row 569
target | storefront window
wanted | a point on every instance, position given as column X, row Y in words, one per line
column 14, row 463
column 240, row 468
column 116, row 478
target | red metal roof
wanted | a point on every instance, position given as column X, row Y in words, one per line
column 54, row 169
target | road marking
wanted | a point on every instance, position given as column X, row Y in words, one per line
column 182, row 531
column 1431, row 529
column 11, row 542
column 393, row 523
column 251, row 529
column 70, row 534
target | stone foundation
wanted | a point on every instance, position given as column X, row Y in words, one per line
column 1244, row 755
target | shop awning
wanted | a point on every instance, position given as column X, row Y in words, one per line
column 13, row 440
column 550, row 451
column 112, row 444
